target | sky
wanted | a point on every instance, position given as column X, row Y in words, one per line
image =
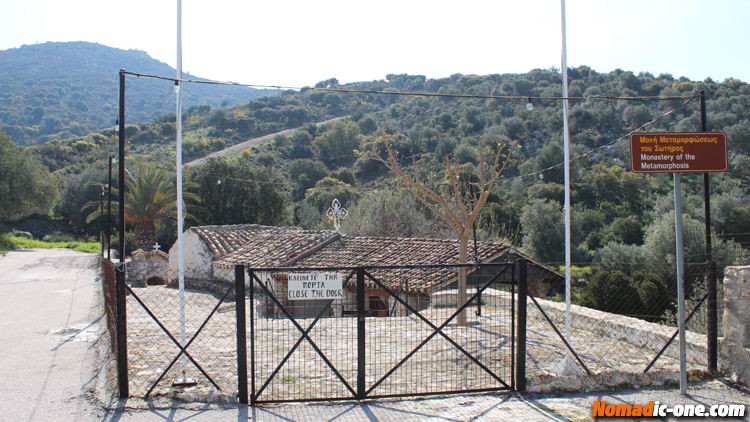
column 298, row 43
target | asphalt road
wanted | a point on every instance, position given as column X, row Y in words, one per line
column 238, row 148
column 48, row 329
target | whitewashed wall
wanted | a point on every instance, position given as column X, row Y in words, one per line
column 198, row 258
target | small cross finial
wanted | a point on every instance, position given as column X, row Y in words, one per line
column 156, row 246
column 336, row 213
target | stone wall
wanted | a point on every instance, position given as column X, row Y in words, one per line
column 614, row 327
column 735, row 346
column 215, row 287
column 607, row 327
column 145, row 266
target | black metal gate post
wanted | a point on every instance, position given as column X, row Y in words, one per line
column 713, row 320
column 101, row 223
column 361, row 318
column 521, row 330
column 122, row 345
column 239, row 303
column 253, row 279
column 121, row 328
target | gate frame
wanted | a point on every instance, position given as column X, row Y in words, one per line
column 247, row 395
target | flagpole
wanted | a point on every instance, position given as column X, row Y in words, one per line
column 567, row 365
column 178, row 166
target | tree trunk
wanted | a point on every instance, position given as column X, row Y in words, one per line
column 463, row 248
column 145, row 236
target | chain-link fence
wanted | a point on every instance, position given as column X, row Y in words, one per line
column 156, row 327
column 393, row 331
column 622, row 330
column 623, row 319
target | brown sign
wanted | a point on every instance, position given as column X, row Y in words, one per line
column 678, row 152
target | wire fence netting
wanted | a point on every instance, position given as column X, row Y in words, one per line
column 414, row 340
column 623, row 318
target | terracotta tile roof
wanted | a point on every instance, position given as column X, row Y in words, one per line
column 368, row 251
column 277, row 248
column 222, row 240
column 357, row 251
column 266, row 246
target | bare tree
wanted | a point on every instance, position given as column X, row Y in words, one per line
column 456, row 212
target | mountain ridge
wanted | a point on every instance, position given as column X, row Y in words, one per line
column 65, row 89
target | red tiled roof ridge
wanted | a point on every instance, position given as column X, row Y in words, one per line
column 299, row 244
column 231, row 227
column 424, row 239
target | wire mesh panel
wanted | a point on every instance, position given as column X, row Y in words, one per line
column 155, row 331
column 379, row 331
column 303, row 347
column 424, row 345
column 620, row 324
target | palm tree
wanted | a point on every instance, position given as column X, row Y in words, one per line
column 150, row 199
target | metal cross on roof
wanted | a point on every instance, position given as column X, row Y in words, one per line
column 337, row 213
column 156, row 246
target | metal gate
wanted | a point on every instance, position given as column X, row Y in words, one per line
column 353, row 333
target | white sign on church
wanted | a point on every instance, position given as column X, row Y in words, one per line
column 315, row 286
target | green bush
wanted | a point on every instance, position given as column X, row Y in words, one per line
column 22, row 243
column 576, row 272
column 640, row 295
column 58, row 237
column 6, row 244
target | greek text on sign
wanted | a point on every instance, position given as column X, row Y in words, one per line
column 315, row 286
column 678, row 152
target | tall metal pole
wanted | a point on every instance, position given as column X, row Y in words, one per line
column 566, row 160
column 121, row 166
column 122, row 344
column 680, row 279
column 109, row 208
column 712, row 321
column 178, row 166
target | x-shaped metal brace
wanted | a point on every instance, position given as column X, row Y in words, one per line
column 305, row 336
column 183, row 349
column 436, row 330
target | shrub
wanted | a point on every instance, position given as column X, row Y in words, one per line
column 612, row 291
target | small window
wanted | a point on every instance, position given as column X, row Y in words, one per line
column 377, row 304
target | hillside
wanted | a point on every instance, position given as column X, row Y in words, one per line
column 309, row 167
column 622, row 225
column 59, row 90
column 437, row 126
